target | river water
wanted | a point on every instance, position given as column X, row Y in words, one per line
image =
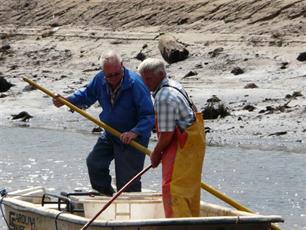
column 269, row 182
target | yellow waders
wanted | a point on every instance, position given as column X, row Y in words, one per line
column 181, row 171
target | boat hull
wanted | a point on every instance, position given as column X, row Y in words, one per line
column 19, row 216
column 23, row 214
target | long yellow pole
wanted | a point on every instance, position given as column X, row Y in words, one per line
column 139, row 147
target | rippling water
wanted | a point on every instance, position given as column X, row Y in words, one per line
column 269, row 182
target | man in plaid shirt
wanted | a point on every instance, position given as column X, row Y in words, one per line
column 181, row 141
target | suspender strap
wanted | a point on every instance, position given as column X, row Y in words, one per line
column 191, row 105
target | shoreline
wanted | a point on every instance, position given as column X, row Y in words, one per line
column 271, row 145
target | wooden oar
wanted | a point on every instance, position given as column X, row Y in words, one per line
column 139, row 147
column 116, row 195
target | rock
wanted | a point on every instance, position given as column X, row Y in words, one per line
column 140, row 56
column 294, row 95
column 54, row 24
column 190, row 73
column 182, row 21
column 278, row 133
column 213, row 99
column 262, row 111
column 199, row 66
column 97, row 130
column 297, row 94
column 301, row 57
column 171, row 50
column 28, row 88
column 47, row 33
column 250, row 108
column 277, row 43
column 213, row 112
column 237, row 71
column 207, row 130
column 250, row 86
column 4, row 36
column 215, row 52
column 284, row 65
column 5, row 47
column 277, row 34
column 5, row 85
column 23, row 116
column 12, row 67
column 288, row 96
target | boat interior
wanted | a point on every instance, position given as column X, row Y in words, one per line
column 128, row 206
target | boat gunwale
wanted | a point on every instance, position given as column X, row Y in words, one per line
column 25, row 206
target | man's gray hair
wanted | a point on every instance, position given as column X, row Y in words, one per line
column 152, row 65
column 110, row 57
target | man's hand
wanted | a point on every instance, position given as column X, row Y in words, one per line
column 164, row 140
column 127, row 137
column 155, row 158
column 56, row 101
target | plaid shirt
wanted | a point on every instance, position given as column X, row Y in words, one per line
column 171, row 106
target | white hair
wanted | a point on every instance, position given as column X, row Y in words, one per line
column 110, row 57
column 152, row 65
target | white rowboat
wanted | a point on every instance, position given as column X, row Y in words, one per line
column 34, row 209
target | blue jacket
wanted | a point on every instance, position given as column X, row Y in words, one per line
column 132, row 111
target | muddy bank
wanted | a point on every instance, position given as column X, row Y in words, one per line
column 243, row 53
column 222, row 16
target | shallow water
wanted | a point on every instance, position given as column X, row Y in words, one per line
column 269, row 182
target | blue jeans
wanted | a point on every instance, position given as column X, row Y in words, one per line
column 128, row 162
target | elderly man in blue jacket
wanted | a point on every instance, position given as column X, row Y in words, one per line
column 126, row 106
